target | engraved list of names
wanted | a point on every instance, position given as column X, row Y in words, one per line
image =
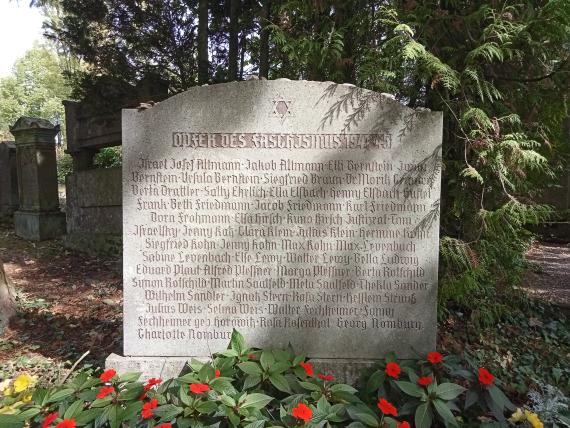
column 326, row 240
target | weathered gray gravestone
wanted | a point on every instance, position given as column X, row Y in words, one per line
column 7, row 300
column 8, row 178
column 295, row 212
column 38, row 216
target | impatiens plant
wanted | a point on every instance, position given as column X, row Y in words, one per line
column 254, row 388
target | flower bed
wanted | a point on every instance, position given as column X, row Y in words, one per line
column 253, row 388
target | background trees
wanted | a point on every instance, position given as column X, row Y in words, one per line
column 35, row 88
column 499, row 70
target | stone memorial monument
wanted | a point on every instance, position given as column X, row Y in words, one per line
column 38, row 216
column 8, row 178
column 293, row 211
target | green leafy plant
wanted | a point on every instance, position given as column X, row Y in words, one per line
column 254, row 388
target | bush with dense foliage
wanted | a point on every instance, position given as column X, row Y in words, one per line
column 253, row 388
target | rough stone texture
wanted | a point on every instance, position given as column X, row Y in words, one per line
column 346, row 371
column 8, row 178
column 228, row 177
column 38, row 216
column 39, row 226
column 94, row 211
column 7, row 300
column 157, row 367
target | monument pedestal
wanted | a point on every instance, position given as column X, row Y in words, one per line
column 344, row 370
column 158, row 367
column 39, row 216
column 38, row 226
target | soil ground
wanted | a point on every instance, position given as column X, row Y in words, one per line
column 68, row 302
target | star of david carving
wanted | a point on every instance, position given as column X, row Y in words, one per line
column 282, row 108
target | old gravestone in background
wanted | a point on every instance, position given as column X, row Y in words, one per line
column 295, row 212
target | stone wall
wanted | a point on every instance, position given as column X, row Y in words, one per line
column 94, row 210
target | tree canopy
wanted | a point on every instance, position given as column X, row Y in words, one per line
column 499, row 70
column 36, row 87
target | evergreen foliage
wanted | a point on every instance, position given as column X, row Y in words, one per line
column 497, row 69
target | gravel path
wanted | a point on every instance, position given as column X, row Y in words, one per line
column 550, row 280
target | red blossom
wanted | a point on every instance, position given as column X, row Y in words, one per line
column 393, row 370
column 152, row 382
column 106, row 390
column 386, row 407
column 403, row 424
column 107, row 375
column 66, row 423
column 325, row 376
column 49, row 419
column 199, row 388
column 434, row 357
column 302, row 412
column 143, row 396
column 485, row 377
column 251, row 356
column 147, row 412
column 218, row 373
column 308, row 368
column 425, row 380
column 166, row 425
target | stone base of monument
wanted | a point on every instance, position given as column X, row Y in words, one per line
column 343, row 370
column 38, row 226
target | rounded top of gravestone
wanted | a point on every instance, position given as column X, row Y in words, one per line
column 26, row 123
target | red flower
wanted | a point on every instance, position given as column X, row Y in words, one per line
column 325, row 376
column 166, row 425
column 217, row 373
column 152, row 382
column 434, row 357
column 386, row 407
column 251, row 356
column 393, row 370
column 403, row 424
column 425, row 380
column 106, row 390
column 199, row 388
column 143, row 396
column 147, row 412
column 302, row 412
column 107, row 375
column 308, row 368
column 49, row 419
column 485, row 378
column 66, row 423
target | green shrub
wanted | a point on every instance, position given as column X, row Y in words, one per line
column 109, row 157
column 64, row 165
column 253, row 388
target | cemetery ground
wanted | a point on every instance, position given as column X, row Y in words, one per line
column 70, row 303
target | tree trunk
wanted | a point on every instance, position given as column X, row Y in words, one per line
column 264, row 40
column 7, row 300
column 344, row 9
column 242, row 55
column 233, row 40
column 203, row 62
